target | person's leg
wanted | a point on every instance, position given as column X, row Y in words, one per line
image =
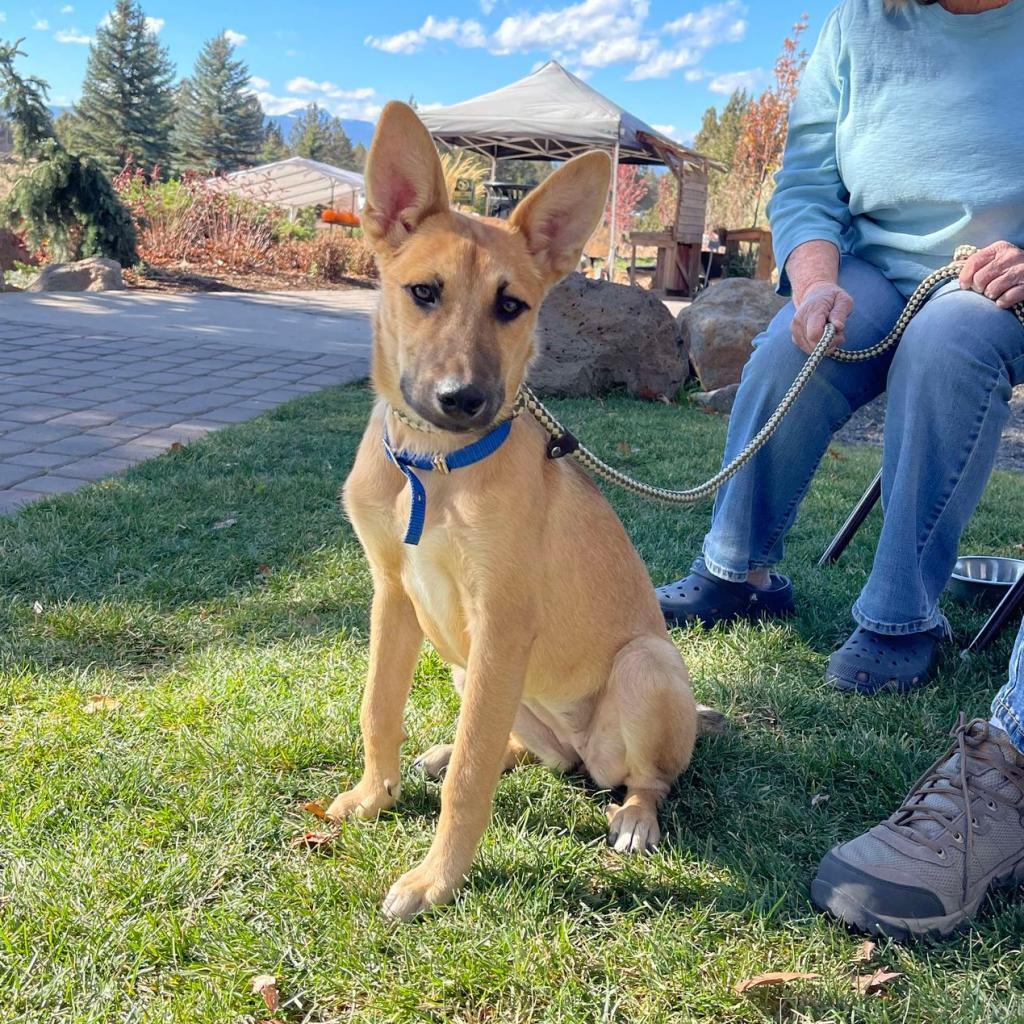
column 958, row 835
column 755, row 509
column 1008, row 706
column 948, row 399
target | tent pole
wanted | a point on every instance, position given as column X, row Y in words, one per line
column 612, row 225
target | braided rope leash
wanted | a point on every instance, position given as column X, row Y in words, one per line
column 564, row 443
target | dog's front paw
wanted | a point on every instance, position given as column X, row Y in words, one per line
column 364, row 801
column 632, row 828
column 416, row 891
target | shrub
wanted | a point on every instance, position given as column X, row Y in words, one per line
column 328, row 258
column 190, row 221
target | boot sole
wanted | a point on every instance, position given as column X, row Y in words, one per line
column 841, row 905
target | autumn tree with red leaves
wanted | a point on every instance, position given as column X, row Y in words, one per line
column 763, row 138
column 630, row 189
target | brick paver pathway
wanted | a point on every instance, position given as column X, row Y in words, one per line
column 78, row 405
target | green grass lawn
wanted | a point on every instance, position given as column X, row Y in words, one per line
column 146, row 866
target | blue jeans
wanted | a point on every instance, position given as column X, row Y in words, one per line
column 948, row 382
column 1008, row 707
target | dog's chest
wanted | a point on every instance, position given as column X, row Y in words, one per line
column 429, row 581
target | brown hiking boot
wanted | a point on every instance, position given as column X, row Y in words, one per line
column 959, row 834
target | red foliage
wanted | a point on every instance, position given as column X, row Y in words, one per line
column 630, row 189
column 764, row 125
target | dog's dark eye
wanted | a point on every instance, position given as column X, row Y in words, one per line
column 425, row 294
column 508, row 308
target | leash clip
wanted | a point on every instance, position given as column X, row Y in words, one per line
column 564, row 444
column 440, row 463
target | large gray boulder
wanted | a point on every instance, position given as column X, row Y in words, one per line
column 594, row 335
column 96, row 274
column 719, row 325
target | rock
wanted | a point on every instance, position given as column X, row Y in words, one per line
column 720, row 324
column 594, row 335
column 96, row 274
column 719, row 400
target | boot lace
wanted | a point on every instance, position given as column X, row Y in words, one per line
column 957, row 782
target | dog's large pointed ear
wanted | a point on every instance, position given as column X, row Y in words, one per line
column 557, row 218
column 404, row 181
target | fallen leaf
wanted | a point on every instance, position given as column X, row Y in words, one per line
column 314, row 840
column 835, row 453
column 315, row 808
column 875, row 984
column 176, row 446
column 624, row 447
column 865, row 951
column 100, row 702
column 263, row 570
column 225, row 523
column 773, row 978
column 266, row 985
column 819, row 798
column 37, row 607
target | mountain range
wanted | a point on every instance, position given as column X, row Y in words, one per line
column 357, row 131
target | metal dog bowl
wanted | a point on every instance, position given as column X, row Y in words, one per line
column 984, row 577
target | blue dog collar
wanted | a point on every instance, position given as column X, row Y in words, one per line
column 458, row 459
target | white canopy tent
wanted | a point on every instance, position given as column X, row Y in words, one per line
column 296, row 183
column 553, row 115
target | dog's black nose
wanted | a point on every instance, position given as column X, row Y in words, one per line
column 460, row 402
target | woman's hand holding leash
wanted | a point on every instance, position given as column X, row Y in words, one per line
column 997, row 272
column 813, row 269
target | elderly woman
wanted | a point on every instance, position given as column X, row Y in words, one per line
column 906, row 140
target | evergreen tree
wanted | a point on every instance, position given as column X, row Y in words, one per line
column 719, row 137
column 59, row 198
column 219, row 125
column 318, row 136
column 274, row 146
column 359, row 153
column 127, row 105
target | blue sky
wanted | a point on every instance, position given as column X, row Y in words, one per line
column 665, row 60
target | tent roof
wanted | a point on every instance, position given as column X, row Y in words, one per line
column 551, row 115
column 294, row 183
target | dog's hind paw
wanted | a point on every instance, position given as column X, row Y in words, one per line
column 363, row 801
column 434, row 762
column 416, row 891
column 711, row 722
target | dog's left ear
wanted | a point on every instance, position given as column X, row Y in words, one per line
column 404, row 180
column 557, row 218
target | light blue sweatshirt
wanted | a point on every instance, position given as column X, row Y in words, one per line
column 907, row 138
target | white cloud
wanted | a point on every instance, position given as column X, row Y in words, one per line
column 257, row 83
column 42, row 25
column 154, row 25
column 328, row 89
column 67, row 9
column 468, row 33
column 72, row 35
column 3, row 17
column 588, row 34
column 695, row 75
column 716, row 23
column 360, row 104
column 235, row 38
column 664, row 62
column 726, row 84
column 665, row 129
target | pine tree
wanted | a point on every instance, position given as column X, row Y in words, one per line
column 127, row 105
column 59, row 198
column 219, row 124
column 274, row 146
column 318, row 136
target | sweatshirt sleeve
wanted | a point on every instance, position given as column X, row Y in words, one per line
column 810, row 200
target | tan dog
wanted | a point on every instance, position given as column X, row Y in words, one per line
column 524, row 579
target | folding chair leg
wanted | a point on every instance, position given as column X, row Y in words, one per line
column 860, row 512
column 1009, row 608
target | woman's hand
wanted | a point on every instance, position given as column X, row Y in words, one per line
column 997, row 272
column 820, row 304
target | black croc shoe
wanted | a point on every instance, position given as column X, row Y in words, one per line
column 702, row 597
column 871, row 662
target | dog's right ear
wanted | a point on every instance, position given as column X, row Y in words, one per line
column 404, row 181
